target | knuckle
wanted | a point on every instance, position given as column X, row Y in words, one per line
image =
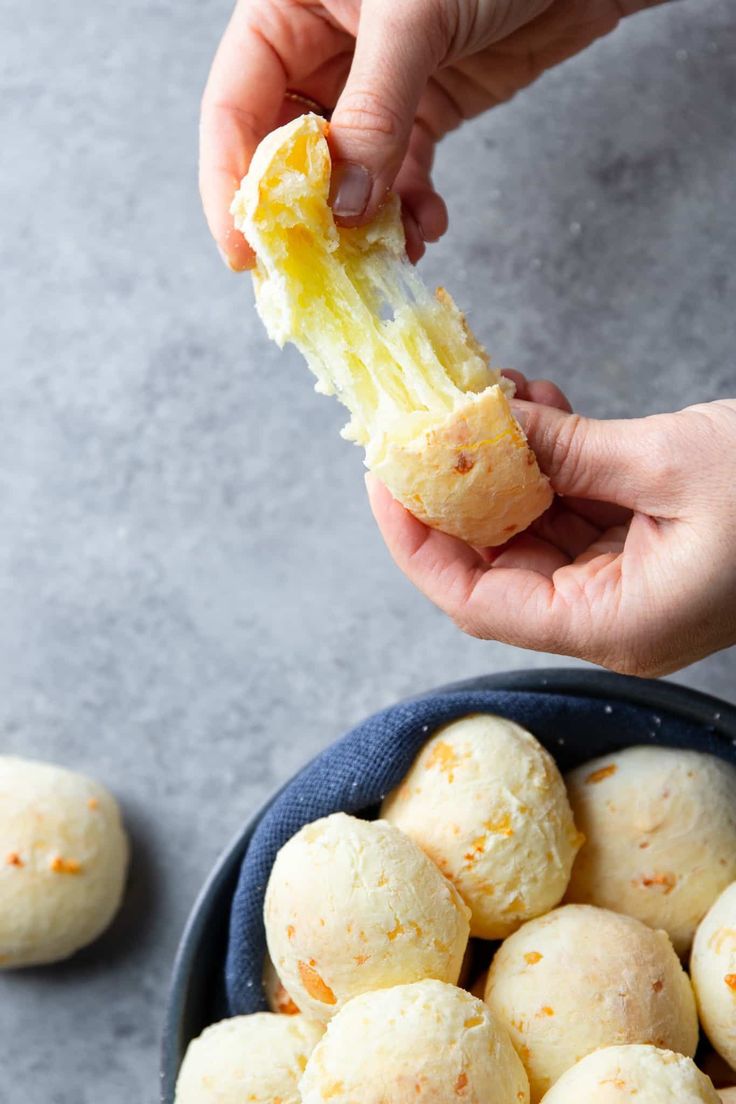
column 663, row 456
column 567, row 450
column 442, row 26
column 447, row 21
column 466, row 618
column 367, row 112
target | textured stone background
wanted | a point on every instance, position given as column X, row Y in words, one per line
column 194, row 598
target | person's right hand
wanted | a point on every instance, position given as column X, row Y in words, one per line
column 634, row 565
column 399, row 74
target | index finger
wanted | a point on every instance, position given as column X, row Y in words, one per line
column 240, row 106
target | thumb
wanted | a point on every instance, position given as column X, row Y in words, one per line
column 399, row 43
column 619, row 461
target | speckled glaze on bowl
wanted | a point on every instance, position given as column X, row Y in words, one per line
column 194, row 997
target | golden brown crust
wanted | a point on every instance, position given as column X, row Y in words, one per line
column 473, row 476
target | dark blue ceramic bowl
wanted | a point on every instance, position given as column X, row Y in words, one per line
column 201, row 954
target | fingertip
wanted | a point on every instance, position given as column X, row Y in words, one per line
column 400, row 529
column 380, row 498
column 415, row 248
column 519, row 380
column 217, row 191
column 430, row 212
column 235, row 252
column 522, row 411
column 374, row 487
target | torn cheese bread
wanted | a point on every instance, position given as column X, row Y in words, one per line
column 432, row 415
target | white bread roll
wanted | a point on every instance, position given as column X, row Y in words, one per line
column 581, row 978
column 423, row 1042
column 713, row 970
column 660, row 826
column 486, row 802
column 354, row 905
column 63, row 861
column 432, row 415
column 256, row 1059
column 633, row 1075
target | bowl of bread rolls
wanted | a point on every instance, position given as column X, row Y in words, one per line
column 539, row 909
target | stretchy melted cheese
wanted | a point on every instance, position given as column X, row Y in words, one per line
column 431, row 413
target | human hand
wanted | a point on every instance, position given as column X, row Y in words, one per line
column 399, row 74
column 632, row 567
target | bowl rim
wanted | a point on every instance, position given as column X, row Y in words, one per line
column 669, row 697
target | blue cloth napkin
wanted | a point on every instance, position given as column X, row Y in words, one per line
column 356, row 773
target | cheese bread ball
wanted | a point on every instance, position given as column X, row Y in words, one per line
column 635, row 1074
column 277, row 999
column 257, row 1058
column 581, row 978
column 63, row 861
column 660, row 827
column 488, row 805
column 713, row 970
column 353, row 905
column 428, row 1041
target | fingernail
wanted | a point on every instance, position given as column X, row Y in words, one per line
column 350, row 189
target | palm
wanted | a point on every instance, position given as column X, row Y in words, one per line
column 570, row 534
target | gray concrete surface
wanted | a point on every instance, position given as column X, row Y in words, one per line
column 194, row 598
